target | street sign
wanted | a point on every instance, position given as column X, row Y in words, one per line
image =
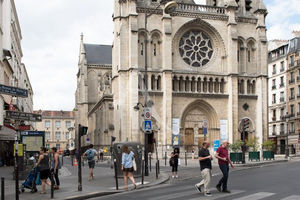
column 147, row 114
column 148, row 125
column 23, row 116
column 14, row 91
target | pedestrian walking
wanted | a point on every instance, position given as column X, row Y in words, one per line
column 101, row 152
column 127, row 166
column 55, row 166
column 205, row 166
column 90, row 155
column 43, row 165
column 193, row 153
column 175, row 158
column 224, row 161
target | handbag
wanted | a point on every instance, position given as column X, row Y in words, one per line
column 133, row 164
column 171, row 161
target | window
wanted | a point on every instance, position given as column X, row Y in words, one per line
column 298, row 94
column 57, row 135
column 282, row 66
column 292, row 127
column 68, row 124
column 47, row 135
column 57, row 146
column 142, row 49
column 57, row 124
column 154, row 49
column 274, row 130
column 292, row 60
column 282, row 112
column 292, row 110
column 281, row 81
column 274, row 98
column 298, row 108
column 274, row 115
column 47, row 146
column 47, row 124
column 292, row 93
column 292, row 80
column 282, row 128
column 249, row 57
column 281, row 96
column 274, row 84
column 274, row 69
column 67, row 135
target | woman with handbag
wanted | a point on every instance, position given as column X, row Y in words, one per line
column 174, row 162
column 128, row 166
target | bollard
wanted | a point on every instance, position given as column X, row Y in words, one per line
column 2, row 188
column 156, row 170
column 165, row 158
column 116, row 174
column 72, row 161
column 143, row 171
column 185, row 158
column 158, row 166
column 62, row 160
column 150, row 161
column 52, row 185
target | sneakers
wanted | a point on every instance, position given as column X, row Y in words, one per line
column 207, row 194
column 173, row 176
column 176, row 176
column 219, row 188
column 198, row 188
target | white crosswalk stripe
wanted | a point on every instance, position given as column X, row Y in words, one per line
column 218, row 195
column 292, row 197
column 174, row 195
column 256, row 196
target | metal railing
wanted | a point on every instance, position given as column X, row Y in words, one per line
column 200, row 8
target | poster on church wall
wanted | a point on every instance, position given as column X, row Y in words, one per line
column 223, row 130
column 175, row 126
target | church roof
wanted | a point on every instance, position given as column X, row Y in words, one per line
column 98, row 54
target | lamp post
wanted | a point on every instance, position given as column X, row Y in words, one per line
column 170, row 7
column 287, row 117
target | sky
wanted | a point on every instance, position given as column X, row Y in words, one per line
column 51, row 37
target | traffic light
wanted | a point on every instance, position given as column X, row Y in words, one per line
column 82, row 130
column 248, row 5
column 246, row 124
column 113, row 138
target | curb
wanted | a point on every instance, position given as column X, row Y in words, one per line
column 164, row 178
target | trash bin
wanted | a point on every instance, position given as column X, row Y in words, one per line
column 136, row 148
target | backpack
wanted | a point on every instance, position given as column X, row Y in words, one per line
column 90, row 154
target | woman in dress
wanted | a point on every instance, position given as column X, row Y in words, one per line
column 127, row 167
column 175, row 156
column 43, row 165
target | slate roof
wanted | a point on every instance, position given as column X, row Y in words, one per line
column 98, row 54
column 55, row 113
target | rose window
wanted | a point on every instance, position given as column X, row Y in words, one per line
column 195, row 48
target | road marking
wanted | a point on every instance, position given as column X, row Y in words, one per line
column 129, row 185
column 217, row 195
column 292, row 197
column 257, row 196
column 174, row 195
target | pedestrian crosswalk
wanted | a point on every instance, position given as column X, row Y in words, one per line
column 256, row 196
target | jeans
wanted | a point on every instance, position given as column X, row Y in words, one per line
column 55, row 175
column 206, row 175
column 225, row 171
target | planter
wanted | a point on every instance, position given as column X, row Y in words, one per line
column 254, row 156
column 268, row 155
column 236, row 157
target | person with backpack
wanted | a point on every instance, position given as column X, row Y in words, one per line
column 55, row 166
column 90, row 155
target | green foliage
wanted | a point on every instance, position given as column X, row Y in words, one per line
column 235, row 147
column 253, row 143
column 268, row 145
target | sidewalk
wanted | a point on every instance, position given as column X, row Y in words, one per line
column 103, row 184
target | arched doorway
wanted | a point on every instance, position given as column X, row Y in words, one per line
column 195, row 118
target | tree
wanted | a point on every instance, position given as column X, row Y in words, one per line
column 253, row 144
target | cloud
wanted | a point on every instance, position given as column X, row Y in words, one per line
column 51, row 37
column 283, row 18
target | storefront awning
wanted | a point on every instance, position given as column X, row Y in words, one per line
column 7, row 134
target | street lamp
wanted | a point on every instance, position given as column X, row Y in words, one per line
column 287, row 117
column 170, row 7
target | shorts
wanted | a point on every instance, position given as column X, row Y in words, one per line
column 91, row 164
column 128, row 169
column 44, row 174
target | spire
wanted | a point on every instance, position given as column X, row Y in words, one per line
column 82, row 50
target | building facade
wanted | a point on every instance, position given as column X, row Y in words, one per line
column 277, row 68
column 206, row 71
column 59, row 129
column 293, row 93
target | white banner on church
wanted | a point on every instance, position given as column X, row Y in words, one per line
column 175, row 126
column 223, row 130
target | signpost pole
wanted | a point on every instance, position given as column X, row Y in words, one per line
column 16, row 165
column 79, row 160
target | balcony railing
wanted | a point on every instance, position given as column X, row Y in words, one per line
column 281, row 69
column 292, row 97
column 281, row 85
column 273, row 118
column 273, row 133
column 273, row 102
column 274, row 72
column 292, row 81
column 281, row 99
column 273, row 87
column 282, row 117
column 281, row 132
column 298, row 78
column 298, row 113
column 292, row 115
column 292, row 132
column 200, row 8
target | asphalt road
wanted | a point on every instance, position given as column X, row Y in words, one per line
column 274, row 182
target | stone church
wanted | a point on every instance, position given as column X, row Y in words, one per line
column 202, row 70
